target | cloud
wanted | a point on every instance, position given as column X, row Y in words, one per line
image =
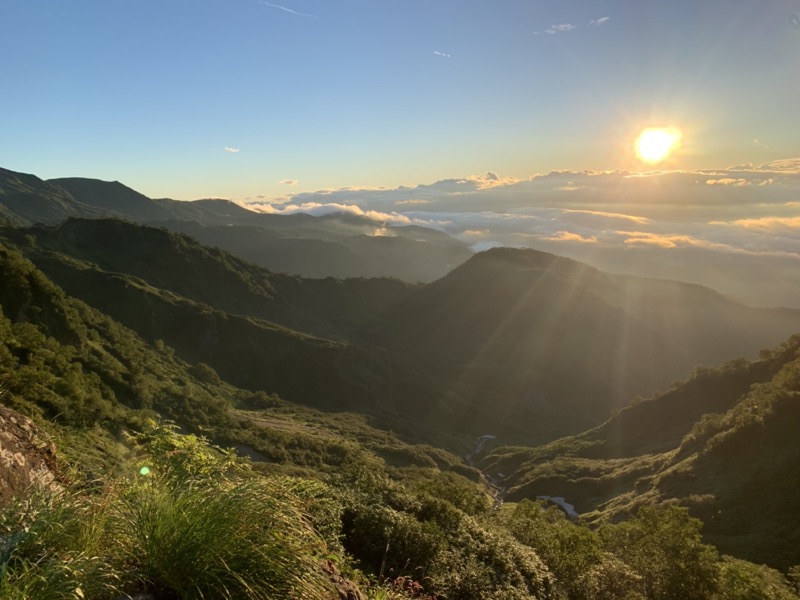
column 599, row 22
column 411, row 202
column 758, row 143
column 787, row 165
column 764, row 223
column 725, row 228
column 609, row 215
column 662, row 241
column 728, row 181
column 568, row 236
column 231, row 150
column 288, row 10
column 570, row 187
column 288, row 182
column 442, row 54
column 318, row 209
column 558, row 28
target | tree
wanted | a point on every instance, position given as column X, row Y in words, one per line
column 664, row 546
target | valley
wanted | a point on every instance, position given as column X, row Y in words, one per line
column 372, row 364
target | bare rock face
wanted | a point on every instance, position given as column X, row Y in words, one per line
column 27, row 457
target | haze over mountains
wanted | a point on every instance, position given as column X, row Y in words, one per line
column 340, row 245
column 525, row 343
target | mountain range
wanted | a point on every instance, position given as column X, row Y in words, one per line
column 519, row 343
column 336, row 245
column 597, row 387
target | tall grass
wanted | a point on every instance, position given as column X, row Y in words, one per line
column 199, row 526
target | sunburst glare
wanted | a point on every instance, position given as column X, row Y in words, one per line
column 655, row 144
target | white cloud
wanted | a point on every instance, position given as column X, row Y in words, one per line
column 231, row 150
column 560, row 28
column 288, row 10
column 442, row 54
column 318, row 209
column 598, row 22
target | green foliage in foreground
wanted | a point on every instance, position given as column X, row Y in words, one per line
column 188, row 520
column 657, row 555
column 198, row 525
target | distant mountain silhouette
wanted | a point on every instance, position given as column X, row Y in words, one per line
column 337, row 245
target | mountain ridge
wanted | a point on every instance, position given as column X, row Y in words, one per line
column 345, row 245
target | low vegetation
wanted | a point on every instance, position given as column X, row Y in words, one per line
column 155, row 499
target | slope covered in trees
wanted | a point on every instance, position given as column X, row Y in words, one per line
column 723, row 443
column 413, row 519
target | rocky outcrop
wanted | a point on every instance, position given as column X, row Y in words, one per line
column 345, row 588
column 27, row 457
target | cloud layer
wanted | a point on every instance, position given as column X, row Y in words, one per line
column 737, row 229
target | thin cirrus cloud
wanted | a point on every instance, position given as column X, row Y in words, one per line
column 231, row 150
column 567, row 27
column 288, row 10
column 442, row 54
column 291, row 182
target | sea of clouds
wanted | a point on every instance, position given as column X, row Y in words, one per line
column 736, row 230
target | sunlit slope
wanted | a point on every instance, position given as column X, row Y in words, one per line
column 26, row 199
column 541, row 344
column 724, row 443
column 213, row 277
column 287, row 336
column 89, row 378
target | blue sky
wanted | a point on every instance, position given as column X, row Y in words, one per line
column 246, row 98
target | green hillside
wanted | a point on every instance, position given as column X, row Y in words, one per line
column 552, row 345
column 327, row 492
column 724, row 443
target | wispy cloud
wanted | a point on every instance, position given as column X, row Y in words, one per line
column 559, row 28
column 442, row 54
column 411, row 202
column 765, row 223
column 598, row 22
column 608, row 215
column 288, row 10
column 231, row 150
column 288, row 182
column 569, row 236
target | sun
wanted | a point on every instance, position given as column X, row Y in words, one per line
column 655, row 144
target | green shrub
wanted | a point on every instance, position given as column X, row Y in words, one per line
column 196, row 523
